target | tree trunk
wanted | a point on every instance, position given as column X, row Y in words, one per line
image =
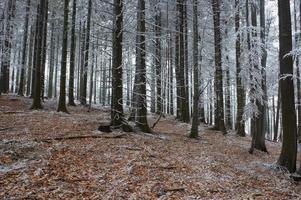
column 72, row 57
column 30, row 61
column 62, row 98
column 6, row 51
column 258, row 134
column 186, row 116
column 218, row 84
column 288, row 154
column 141, row 115
column 51, row 59
column 21, row 84
column 158, row 57
column 195, row 115
column 86, row 57
column 82, row 93
column 44, row 49
column 38, row 56
column 117, row 116
column 240, row 124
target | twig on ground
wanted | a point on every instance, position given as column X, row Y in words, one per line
column 49, row 140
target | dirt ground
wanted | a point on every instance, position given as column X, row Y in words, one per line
column 164, row 165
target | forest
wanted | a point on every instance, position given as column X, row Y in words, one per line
column 150, row 99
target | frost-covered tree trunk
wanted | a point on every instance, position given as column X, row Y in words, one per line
column 258, row 133
column 288, row 154
column 62, row 98
column 218, row 84
column 25, row 36
column 158, row 61
column 72, row 57
column 263, row 33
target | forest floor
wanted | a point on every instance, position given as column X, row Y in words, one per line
column 36, row 163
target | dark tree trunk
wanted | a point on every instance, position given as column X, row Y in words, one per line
column 240, row 124
column 288, row 154
column 51, row 59
column 195, row 116
column 72, row 57
column 35, row 54
column 86, row 57
column 186, row 116
column 62, row 98
column 44, row 49
column 183, row 110
column 141, row 115
column 38, row 56
column 117, row 115
column 218, row 85
column 22, row 75
column 30, row 61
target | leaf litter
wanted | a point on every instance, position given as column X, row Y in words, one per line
column 167, row 165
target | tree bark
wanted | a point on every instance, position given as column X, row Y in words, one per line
column 21, row 84
column 6, row 51
column 38, row 56
column 195, row 115
column 62, row 98
column 141, row 116
column 218, row 79
column 72, row 57
column 288, row 154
